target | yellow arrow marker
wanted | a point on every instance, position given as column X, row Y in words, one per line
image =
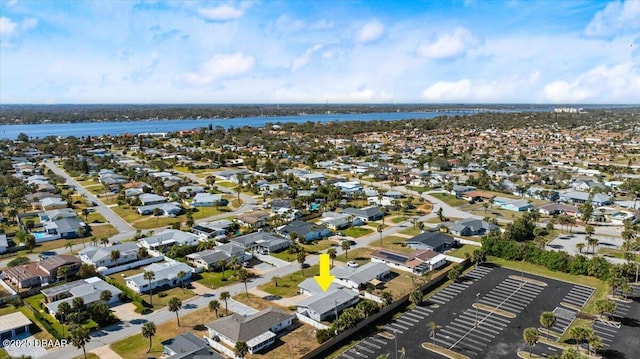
column 325, row 278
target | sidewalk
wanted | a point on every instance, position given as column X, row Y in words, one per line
column 104, row 352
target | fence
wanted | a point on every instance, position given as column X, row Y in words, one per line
column 311, row 322
column 219, row 347
column 373, row 297
column 7, row 287
column 325, row 348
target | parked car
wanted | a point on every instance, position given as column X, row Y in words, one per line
column 46, row 254
column 352, row 264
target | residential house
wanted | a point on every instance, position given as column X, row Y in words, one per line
column 257, row 219
column 358, row 278
column 327, row 305
column 416, row 262
column 458, row 190
column 577, row 197
column 476, row 196
column 165, row 275
column 88, row 289
column 307, row 231
column 4, row 244
column 165, row 239
column 168, row 209
column 472, row 227
column 151, row 198
column 337, row 221
column 206, row 200
column 190, row 190
column 13, row 325
column 365, row 214
column 188, row 346
column 262, row 242
column 259, row 331
column 50, row 203
column 210, row 259
column 435, row 241
column 41, row 273
column 310, row 286
column 551, row 209
column 101, row 257
column 520, row 205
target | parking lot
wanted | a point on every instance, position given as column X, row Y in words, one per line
column 478, row 332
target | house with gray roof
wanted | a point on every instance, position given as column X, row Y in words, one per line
column 262, row 241
column 88, row 289
column 471, row 227
column 577, row 197
column 259, row 330
column 168, row 209
column 436, row 241
column 188, row 346
column 310, row 286
column 308, row 231
column 357, row 278
column 151, row 198
column 365, row 214
column 327, row 305
column 101, row 257
column 166, row 274
column 165, row 239
column 209, row 259
column 4, row 244
column 205, row 200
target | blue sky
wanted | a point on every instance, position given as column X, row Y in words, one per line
column 319, row 51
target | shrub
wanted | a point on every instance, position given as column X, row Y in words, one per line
column 18, row 261
column 162, row 295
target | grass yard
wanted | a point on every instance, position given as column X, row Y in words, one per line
column 89, row 356
column 449, row 199
column 284, row 255
column 214, row 279
column 399, row 219
column 317, row 246
column 90, row 182
column 359, row 255
column 288, row 285
column 35, row 301
column 357, row 232
column 393, row 243
column 411, row 231
column 294, row 344
column 459, row 252
column 127, row 213
column 401, row 284
column 419, row 189
column 103, row 230
column 120, row 276
column 136, row 346
column 256, row 302
column 611, row 252
column 93, row 217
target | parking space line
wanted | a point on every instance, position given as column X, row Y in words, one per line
column 474, row 335
column 371, row 344
column 437, row 301
column 361, row 347
column 399, row 325
column 412, row 315
column 354, row 351
column 467, row 344
column 391, row 329
column 465, row 327
column 405, row 317
column 347, row 356
column 446, row 295
column 422, row 310
column 379, row 341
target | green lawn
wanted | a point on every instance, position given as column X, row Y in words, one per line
column 120, row 276
column 399, row 219
column 284, row 255
column 611, row 252
column 393, row 243
column 103, row 230
column 317, row 246
column 35, row 301
column 359, row 255
column 357, row 232
column 410, row 231
column 214, row 279
column 449, row 199
column 288, row 285
column 459, row 252
column 419, row 189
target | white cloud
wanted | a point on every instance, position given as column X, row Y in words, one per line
column 448, row 91
column 363, row 94
column 448, row 45
column 287, row 24
column 220, row 66
column 370, row 32
column 602, row 84
column 534, row 76
column 7, row 27
column 615, row 18
column 302, row 61
column 221, row 13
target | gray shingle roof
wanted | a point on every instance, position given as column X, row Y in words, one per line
column 322, row 303
column 237, row 327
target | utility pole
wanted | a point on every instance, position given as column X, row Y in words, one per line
column 477, row 304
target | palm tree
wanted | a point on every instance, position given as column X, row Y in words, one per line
column 593, row 242
column 433, row 326
column 346, row 245
column 387, row 298
column 233, row 263
column 63, row 312
column 150, row 276
column 69, row 245
column 104, row 241
column 275, row 279
column 148, row 331
column 223, row 264
column 243, row 276
column 115, row 255
column 547, row 320
column 301, row 257
column 380, row 230
column 78, row 304
column 181, row 274
column 105, row 296
column 241, row 349
column 80, row 337
column 332, row 254
column 416, row 297
column 175, row 304
column 580, row 247
column 214, row 306
column 530, row 336
column 225, row 296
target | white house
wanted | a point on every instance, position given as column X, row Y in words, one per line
column 357, row 278
column 205, row 200
column 415, row 262
column 165, row 274
column 328, row 304
column 169, row 237
column 101, row 257
column 88, row 289
column 259, row 330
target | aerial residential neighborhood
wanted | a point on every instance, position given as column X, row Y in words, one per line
column 411, row 179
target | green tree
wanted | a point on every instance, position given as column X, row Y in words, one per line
column 104, row 241
column 301, row 257
column 214, row 306
column 241, row 349
column 433, row 327
column 148, row 331
column 80, row 337
column 175, row 304
column 387, row 298
column 105, row 296
column 346, row 245
column 530, row 336
column 547, row 320
column 69, row 245
column 181, row 274
column 78, row 305
column 332, row 254
column 225, row 296
column 115, row 256
column 416, row 297
column 149, row 276
column 243, row 276
column 30, row 243
column 64, row 309
column 478, row 256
